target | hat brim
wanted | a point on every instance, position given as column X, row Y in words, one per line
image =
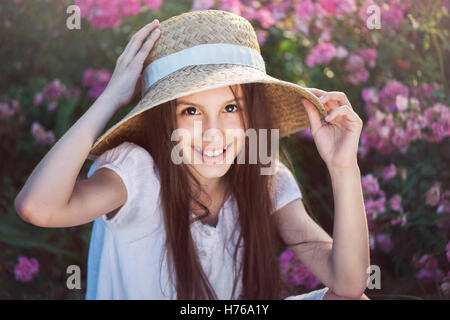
column 290, row 115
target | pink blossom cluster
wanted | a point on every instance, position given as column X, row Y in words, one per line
column 427, row 269
column 105, row 14
column 357, row 63
column 394, row 13
column 26, row 269
column 338, row 8
column 397, row 118
column 96, row 81
column 52, row 92
column 445, row 285
column 42, row 136
column 7, row 110
column 295, row 272
column 374, row 197
column 322, row 53
column 382, row 242
column 436, row 197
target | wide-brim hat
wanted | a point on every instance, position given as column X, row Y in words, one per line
column 202, row 50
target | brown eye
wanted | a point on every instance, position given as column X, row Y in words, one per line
column 190, row 111
column 230, row 108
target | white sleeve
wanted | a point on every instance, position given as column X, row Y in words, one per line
column 135, row 167
column 284, row 188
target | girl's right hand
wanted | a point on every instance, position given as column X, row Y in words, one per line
column 124, row 81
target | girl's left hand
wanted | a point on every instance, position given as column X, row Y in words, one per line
column 337, row 140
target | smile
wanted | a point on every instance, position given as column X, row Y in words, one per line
column 210, row 154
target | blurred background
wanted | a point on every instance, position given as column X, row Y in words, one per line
column 390, row 57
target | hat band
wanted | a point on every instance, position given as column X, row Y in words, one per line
column 212, row 53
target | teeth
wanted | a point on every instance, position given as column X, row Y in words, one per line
column 210, row 153
column 213, row 154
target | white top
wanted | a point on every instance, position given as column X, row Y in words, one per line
column 124, row 260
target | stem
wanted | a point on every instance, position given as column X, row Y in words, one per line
column 441, row 61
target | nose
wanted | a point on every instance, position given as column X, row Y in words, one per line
column 212, row 131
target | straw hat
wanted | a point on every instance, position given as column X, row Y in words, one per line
column 204, row 50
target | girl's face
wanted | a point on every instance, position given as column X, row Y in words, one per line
column 216, row 133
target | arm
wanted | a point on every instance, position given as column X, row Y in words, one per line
column 351, row 254
column 333, row 262
column 52, row 196
column 345, row 265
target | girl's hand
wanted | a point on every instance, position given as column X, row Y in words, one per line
column 124, row 84
column 337, row 140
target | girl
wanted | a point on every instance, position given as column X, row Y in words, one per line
column 205, row 227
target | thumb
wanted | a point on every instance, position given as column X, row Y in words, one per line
column 313, row 115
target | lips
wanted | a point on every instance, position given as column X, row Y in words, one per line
column 212, row 155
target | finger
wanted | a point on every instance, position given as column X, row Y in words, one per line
column 146, row 47
column 344, row 110
column 136, row 41
column 317, row 92
column 336, row 96
column 313, row 115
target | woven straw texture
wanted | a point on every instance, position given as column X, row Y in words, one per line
column 205, row 27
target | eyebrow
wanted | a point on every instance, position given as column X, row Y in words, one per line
column 199, row 105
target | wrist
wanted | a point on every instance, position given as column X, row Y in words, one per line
column 337, row 172
column 109, row 99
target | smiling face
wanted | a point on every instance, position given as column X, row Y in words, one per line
column 215, row 123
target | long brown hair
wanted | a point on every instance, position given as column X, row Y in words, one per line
column 261, row 277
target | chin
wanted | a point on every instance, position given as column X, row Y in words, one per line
column 210, row 171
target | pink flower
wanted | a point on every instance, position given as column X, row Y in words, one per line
column 384, row 242
column 395, row 202
column 389, row 94
column 401, row 221
column 356, row 68
column 202, row 4
column 433, row 194
column 305, row 10
column 401, row 103
column 322, row 53
column 370, row 184
column 52, row 106
column 235, row 6
column 42, row 137
column 369, row 56
column 264, row 16
column 341, row 52
column 26, row 269
column 96, row 81
column 438, row 120
column 374, row 207
column 445, row 285
column 444, row 204
column 262, row 36
column 153, row 4
column 338, row 7
column 102, row 14
column 329, row 6
column 5, row 111
column 389, row 172
column 130, row 7
column 428, row 268
column 38, row 98
column 447, row 248
column 53, row 90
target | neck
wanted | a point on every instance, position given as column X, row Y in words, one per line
column 213, row 190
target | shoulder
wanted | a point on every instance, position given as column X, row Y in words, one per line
column 285, row 187
column 126, row 155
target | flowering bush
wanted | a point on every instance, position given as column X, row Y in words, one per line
column 392, row 66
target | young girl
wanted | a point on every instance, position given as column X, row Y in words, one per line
column 205, row 227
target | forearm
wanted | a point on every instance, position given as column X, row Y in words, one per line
column 51, row 183
column 350, row 253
